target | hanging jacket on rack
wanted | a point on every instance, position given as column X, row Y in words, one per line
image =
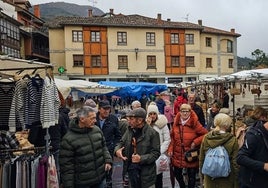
column 17, row 111
column 33, row 102
column 6, row 95
column 50, row 104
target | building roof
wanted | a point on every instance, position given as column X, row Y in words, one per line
column 122, row 21
column 218, row 31
column 134, row 20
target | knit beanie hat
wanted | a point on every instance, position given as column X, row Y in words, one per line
column 91, row 103
column 152, row 108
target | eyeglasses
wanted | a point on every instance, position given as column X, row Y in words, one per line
column 185, row 111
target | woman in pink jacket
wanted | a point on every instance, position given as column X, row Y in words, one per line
column 168, row 112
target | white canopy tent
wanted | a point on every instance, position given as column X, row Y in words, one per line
column 245, row 75
column 66, row 86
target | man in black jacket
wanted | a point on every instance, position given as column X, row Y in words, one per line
column 197, row 109
column 253, row 157
column 108, row 123
column 84, row 157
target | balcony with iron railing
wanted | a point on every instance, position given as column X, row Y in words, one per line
column 40, row 51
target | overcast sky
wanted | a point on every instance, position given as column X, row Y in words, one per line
column 248, row 17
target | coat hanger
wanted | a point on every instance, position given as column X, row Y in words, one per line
column 37, row 75
column 26, row 76
column 47, row 74
column 19, row 71
column 34, row 71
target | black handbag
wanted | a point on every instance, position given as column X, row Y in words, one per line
column 192, row 155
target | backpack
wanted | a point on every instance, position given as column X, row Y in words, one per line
column 216, row 163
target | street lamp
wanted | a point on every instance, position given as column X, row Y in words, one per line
column 136, row 52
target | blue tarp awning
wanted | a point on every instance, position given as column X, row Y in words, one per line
column 134, row 89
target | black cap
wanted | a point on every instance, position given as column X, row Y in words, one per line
column 104, row 104
column 138, row 112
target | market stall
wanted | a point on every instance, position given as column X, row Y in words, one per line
column 29, row 99
column 82, row 87
column 134, row 89
column 247, row 88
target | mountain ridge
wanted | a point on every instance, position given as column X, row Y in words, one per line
column 51, row 10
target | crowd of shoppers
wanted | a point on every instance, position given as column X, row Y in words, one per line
column 155, row 126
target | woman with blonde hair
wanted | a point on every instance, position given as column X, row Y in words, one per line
column 187, row 133
column 221, row 136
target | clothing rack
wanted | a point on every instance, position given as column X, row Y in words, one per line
column 26, row 68
column 13, row 64
column 19, row 65
column 26, row 149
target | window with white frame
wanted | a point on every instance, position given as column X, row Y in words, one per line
column 150, row 39
column 95, row 36
column 122, row 38
column 77, row 36
column 189, row 38
column 174, row 38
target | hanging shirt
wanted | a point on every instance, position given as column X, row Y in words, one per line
column 33, row 102
column 50, row 104
column 17, row 114
column 6, row 95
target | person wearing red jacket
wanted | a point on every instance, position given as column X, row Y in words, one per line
column 187, row 133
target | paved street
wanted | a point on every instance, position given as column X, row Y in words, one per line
column 117, row 176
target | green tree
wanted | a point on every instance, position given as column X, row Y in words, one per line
column 259, row 59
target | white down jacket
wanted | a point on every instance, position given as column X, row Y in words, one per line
column 161, row 127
